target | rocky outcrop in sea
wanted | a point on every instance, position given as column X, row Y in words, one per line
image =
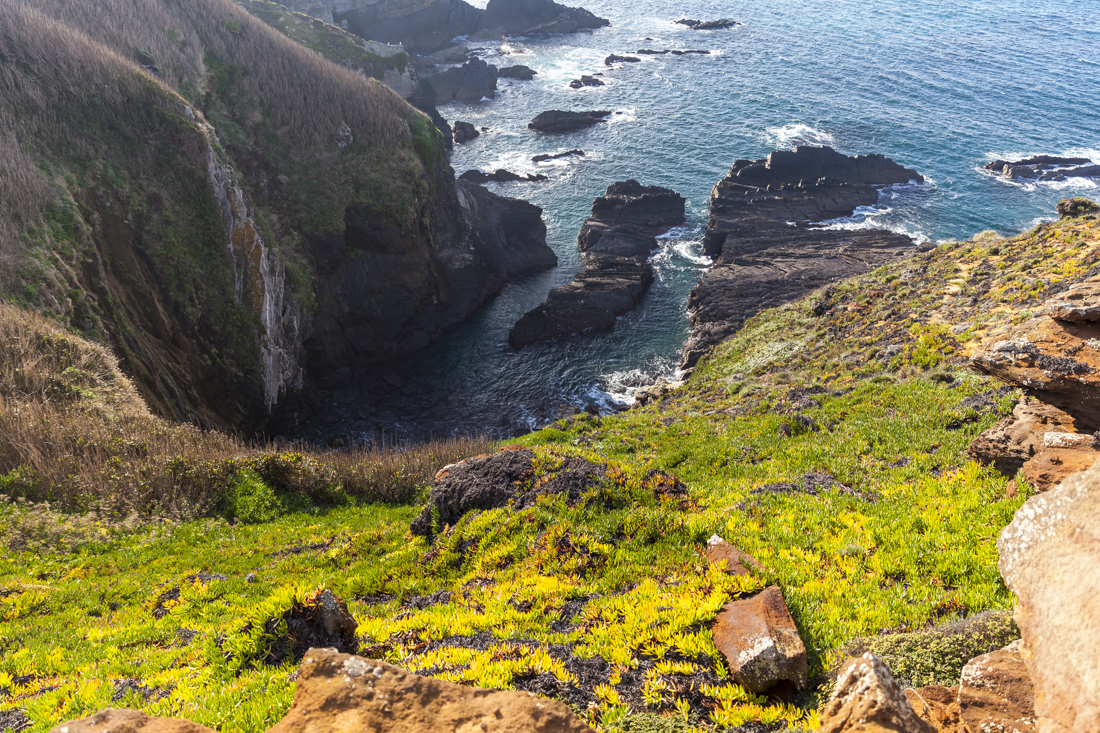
column 617, row 240
column 767, row 248
column 1044, row 168
column 560, row 121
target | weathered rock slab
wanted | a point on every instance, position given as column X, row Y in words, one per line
column 1050, row 558
column 868, row 700
column 129, row 721
column 760, row 642
column 736, row 562
column 340, row 693
column 996, row 693
column 938, row 706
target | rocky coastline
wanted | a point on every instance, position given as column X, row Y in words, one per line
column 766, row 247
column 617, row 241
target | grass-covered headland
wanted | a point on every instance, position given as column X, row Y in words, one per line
column 828, row 440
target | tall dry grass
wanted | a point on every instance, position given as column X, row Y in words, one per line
column 71, row 84
column 75, row 433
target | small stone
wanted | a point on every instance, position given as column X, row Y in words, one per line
column 252, row 578
column 129, row 721
column 737, row 562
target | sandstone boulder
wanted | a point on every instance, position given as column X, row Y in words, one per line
column 1039, row 439
column 938, row 706
column 868, row 700
column 1054, row 360
column 760, row 642
column 736, row 562
column 129, row 721
column 339, row 693
column 996, row 693
column 1050, row 558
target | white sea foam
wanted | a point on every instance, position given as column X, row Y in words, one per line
column 873, row 217
column 795, row 134
column 630, row 114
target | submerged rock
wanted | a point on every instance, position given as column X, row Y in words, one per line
column 760, row 642
column 501, row 176
column 767, row 249
column 707, row 25
column 868, row 700
column 523, row 73
column 1050, row 558
column 674, row 52
column 559, row 121
column 617, row 240
column 586, row 81
column 558, row 156
column 1044, row 168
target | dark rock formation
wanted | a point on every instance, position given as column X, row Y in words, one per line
column 547, row 156
column 674, row 52
column 559, row 121
column 614, row 58
column 585, row 81
column 388, row 295
column 492, row 481
column 1044, row 168
column 473, row 81
column 424, row 98
column 421, row 27
column 465, row 132
column 617, row 240
column 1078, row 206
column 523, row 73
column 500, row 176
column 708, row 25
column 766, row 248
column 528, row 17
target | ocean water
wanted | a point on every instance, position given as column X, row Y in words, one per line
column 943, row 87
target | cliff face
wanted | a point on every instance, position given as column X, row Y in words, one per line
column 231, row 210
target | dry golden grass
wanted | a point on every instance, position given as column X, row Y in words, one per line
column 75, row 433
column 72, row 85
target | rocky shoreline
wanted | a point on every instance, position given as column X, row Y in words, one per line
column 617, row 240
column 766, row 248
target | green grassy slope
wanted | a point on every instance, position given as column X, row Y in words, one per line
column 606, row 602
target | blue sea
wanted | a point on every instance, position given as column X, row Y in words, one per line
column 942, row 87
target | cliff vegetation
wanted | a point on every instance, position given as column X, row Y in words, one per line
column 827, row 439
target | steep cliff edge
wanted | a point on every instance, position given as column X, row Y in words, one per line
column 180, row 180
column 767, row 248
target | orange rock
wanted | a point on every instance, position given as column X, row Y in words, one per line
column 868, row 700
column 760, row 642
column 340, row 693
column 737, row 562
column 1056, row 361
column 938, row 706
column 1050, row 558
column 129, row 721
column 996, row 693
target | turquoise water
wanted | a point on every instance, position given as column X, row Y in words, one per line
column 942, row 87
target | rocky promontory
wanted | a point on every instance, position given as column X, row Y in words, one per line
column 617, row 240
column 766, row 248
